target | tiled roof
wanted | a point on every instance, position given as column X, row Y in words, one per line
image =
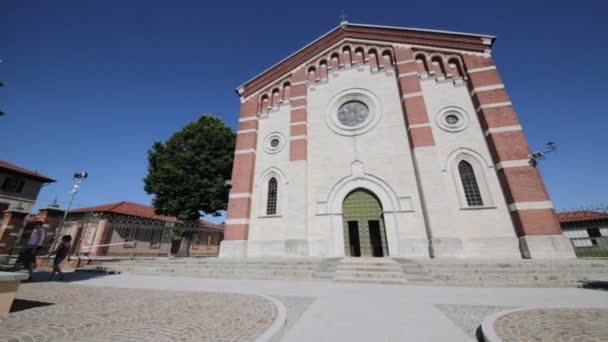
column 581, row 215
column 134, row 209
column 25, row 172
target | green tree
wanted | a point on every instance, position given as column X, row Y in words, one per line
column 188, row 173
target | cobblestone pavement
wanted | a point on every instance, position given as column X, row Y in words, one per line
column 553, row 325
column 83, row 313
column 469, row 317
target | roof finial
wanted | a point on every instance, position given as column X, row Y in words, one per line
column 343, row 18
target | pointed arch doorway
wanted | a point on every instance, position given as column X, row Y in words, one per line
column 364, row 232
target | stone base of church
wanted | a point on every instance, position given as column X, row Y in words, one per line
column 546, row 247
column 449, row 247
column 265, row 248
column 233, row 249
column 414, row 248
column 477, row 248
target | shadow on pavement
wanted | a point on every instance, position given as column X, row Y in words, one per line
column 68, row 276
column 24, row 304
column 595, row 284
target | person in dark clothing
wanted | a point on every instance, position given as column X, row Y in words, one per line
column 27, row 257
column 62, row 251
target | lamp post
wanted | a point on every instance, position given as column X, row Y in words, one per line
column 78, row 178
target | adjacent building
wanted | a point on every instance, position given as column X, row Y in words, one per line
column 131, row 229
column 386, row 141
column 588, row 231
column 19, row 189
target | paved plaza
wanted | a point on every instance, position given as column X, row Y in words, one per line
column 554, row 324
column 84, row 313
column 137, row 308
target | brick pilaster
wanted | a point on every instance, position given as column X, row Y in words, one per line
column 239, row 202
column 298, row 140
column 524, row 189
column 416, row 116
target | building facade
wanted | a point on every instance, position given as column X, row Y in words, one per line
column 383, row 141
column 588, row 231
column 19, row 189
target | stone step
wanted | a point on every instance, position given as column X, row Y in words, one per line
column 366, row 268
column 228, row 275
column 323, row 275
column 235, row 266
column 502, row 266
column 379, row 275
column 371, row 280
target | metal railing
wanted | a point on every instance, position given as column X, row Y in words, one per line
column 587, row 229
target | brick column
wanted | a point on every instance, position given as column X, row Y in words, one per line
column 239, row 203
column 531, row 209
column 297, row 130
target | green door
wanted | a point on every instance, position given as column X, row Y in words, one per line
column 364, row 233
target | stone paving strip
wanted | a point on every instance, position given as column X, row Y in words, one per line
column 547, row 325
column 83, row 313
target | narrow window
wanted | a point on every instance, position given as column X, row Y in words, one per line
column 271, row 202
column 469, row 184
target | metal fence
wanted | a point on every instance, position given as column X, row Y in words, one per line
column 587, row 229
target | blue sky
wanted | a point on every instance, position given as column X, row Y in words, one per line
column 91, row 84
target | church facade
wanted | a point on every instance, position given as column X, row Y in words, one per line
column 385, row 141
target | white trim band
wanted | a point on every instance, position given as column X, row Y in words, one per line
column 298, row 137
column 299, row 83
column 406, row 62
column 253, row 130
column 411, row 73
column 428, row 124
column 298, row 107
column 240, row 195
column 251, row 118
column 303, row 97
column 410, row 95
column 493, row 105
column 245, row 151
column 298, row 123
column 237, row 221
column 530, row 205
column 502, row 129
column 512, row 163
column 472, row 71
column 487, row 88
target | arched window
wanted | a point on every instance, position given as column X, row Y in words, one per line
column 271, row 201
column 469, row 184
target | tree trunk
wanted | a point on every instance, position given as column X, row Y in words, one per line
column 184, row 247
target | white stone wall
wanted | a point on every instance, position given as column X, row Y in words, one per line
column 277, row 164
column 381, row 154
column 487, row 229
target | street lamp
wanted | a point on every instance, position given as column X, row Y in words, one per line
column 78, row 178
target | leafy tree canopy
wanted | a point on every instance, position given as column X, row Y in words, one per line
column 187, row 174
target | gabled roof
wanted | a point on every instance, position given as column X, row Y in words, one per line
column 404, row 35
column 581, row 215
column 24, row 172
column 134, row 209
